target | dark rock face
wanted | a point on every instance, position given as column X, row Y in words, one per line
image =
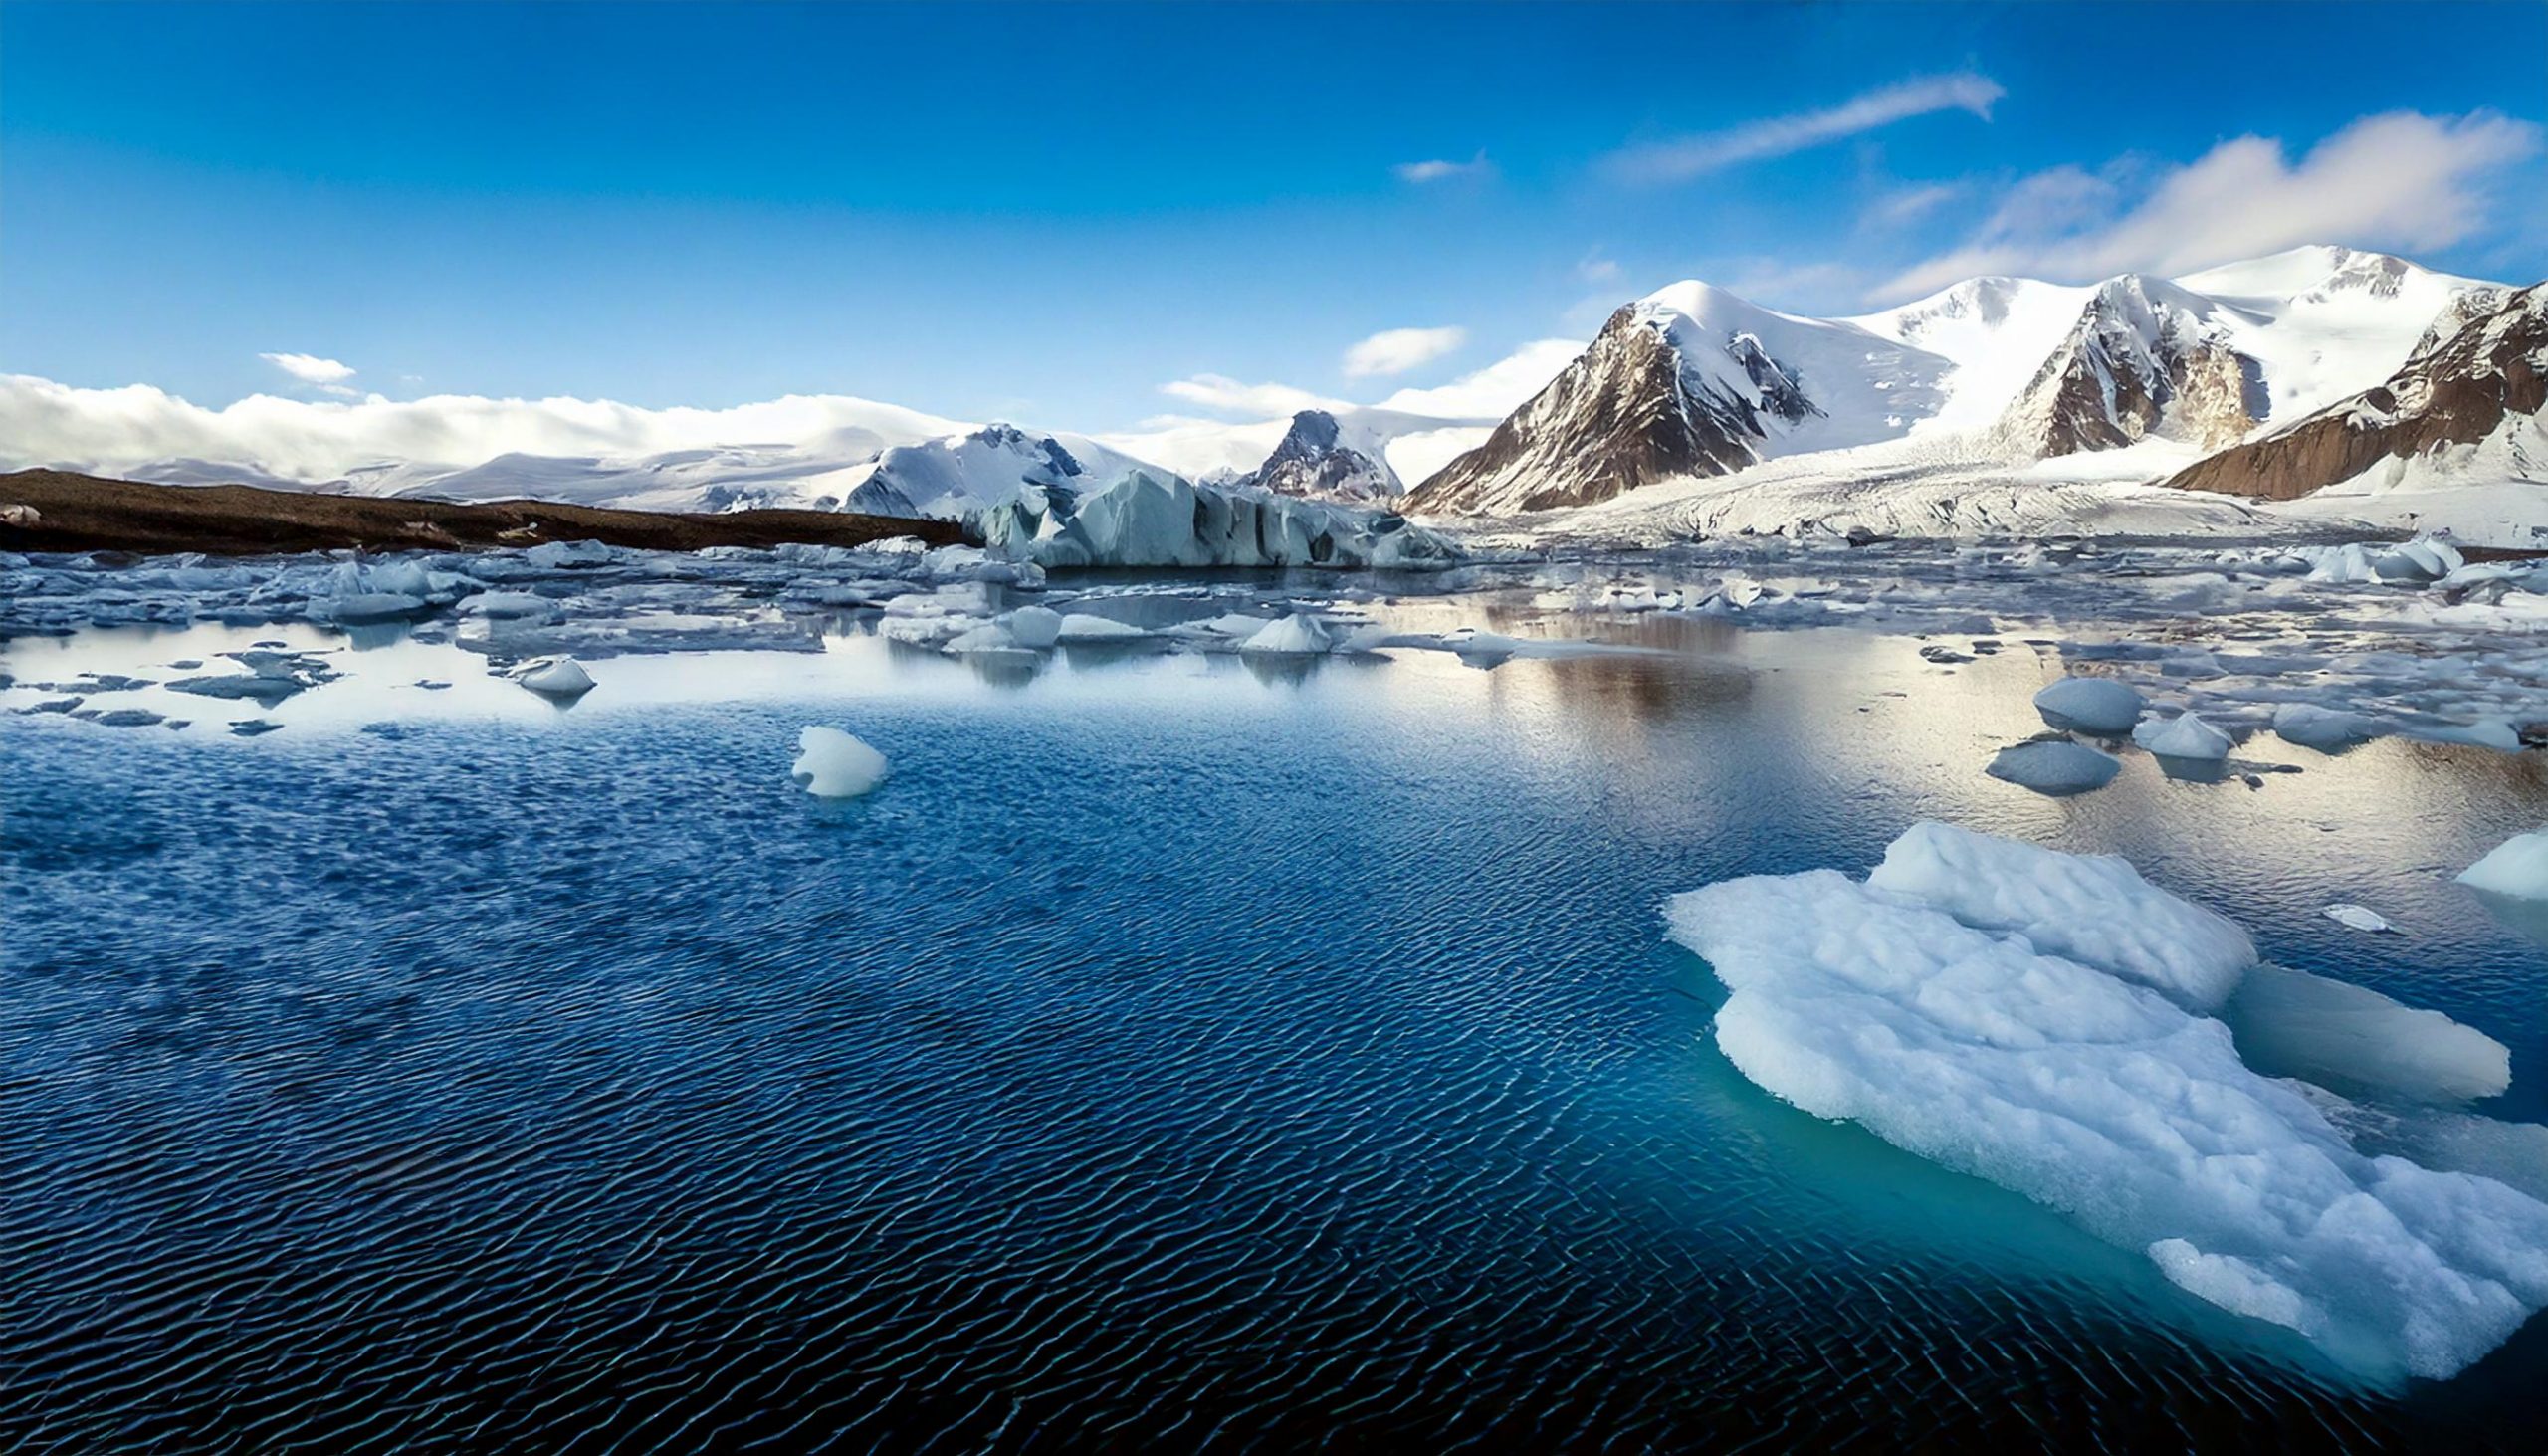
column 1314, row 462
column 2455, row 389
column 1622, row 415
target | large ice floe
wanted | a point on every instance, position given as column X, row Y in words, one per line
column 2058, row 1026
column 832, row 765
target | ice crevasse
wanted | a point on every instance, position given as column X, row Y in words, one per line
column 2045, row 1021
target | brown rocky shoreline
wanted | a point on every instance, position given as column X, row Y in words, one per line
column 62, row 511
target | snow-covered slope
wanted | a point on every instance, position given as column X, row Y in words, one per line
column 1995, row 331
column 2463, row 412
column 947, row 477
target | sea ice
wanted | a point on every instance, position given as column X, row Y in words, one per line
column 1085, row 627
column 2290, row 1023
column 556, row 677
column 1298, row 634
column 2357, row 917
column 2093, row 909
column 2518, row 867
column 832, row 765
column 2326, row 729
column 1036, row 627
column 2091, row 704
column 2186, row 735
column 2055, row 767
column 2032, row 1060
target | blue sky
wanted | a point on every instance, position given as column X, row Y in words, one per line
column 1047, row 213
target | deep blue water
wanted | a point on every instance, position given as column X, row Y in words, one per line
column 1170, row 1054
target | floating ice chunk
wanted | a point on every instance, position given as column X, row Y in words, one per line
column 556, row 677
column 1298, row 634
column 989, row 637
column 1036, row 627
column 556, row 554
column 1085, row 627
column 2093, row 909
column 2357, row 917
column 832, row 765
column 2118, row 1107
column 508, row 605
column 374, row 606
column 2186, row 735
column 2055, row 767
column 2518, row 867
column 2290, row 1023
column 2326, row 729
column 2090, row 704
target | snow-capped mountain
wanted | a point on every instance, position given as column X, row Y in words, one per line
column 1691, row 380
column 2145, row 357
column 2466, row 405
column 946, row 478
column 1317, row 459
column 2001, row 373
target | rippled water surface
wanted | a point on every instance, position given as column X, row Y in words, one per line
column 1175, row 1052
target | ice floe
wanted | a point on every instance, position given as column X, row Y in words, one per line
column 557, row 678
column 2037, row 1020
column 832, row 765
column 2055, row 767
column 1298, row 634
column 2091, row 704
column 2186, row 735
column 2518, row 868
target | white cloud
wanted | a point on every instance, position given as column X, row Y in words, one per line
column 1440, row 170
column 1495, row 391
column 1255, row 401
column 2401, row 181
column 1397, row 350
column 1594, row 268
column 111, row 431
column 310, row 368
column 1683, row 158
column 1906, row 205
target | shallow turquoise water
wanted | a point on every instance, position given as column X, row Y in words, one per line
column 1174, row 1052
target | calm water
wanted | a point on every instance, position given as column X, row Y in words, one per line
column 1173, row 1053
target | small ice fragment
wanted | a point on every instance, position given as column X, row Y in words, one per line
column 2055, row 767
column 374, row 606
column 2186, row 735
column 2356, row 917
column 251, row 728
column 1036, row 627
column 1298, row 634
column 1084, row 627
column 2326, row 729
column 832, row 765
column 2518, row 867
column 2090, row 704
column 557, row 677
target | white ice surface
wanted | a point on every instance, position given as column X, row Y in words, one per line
column 832, row 765
column 1996, row 1055
column 2093, row 909
column 2518, row 867
column 2186, row 735
column 2091, row 704
column 2055, row 767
